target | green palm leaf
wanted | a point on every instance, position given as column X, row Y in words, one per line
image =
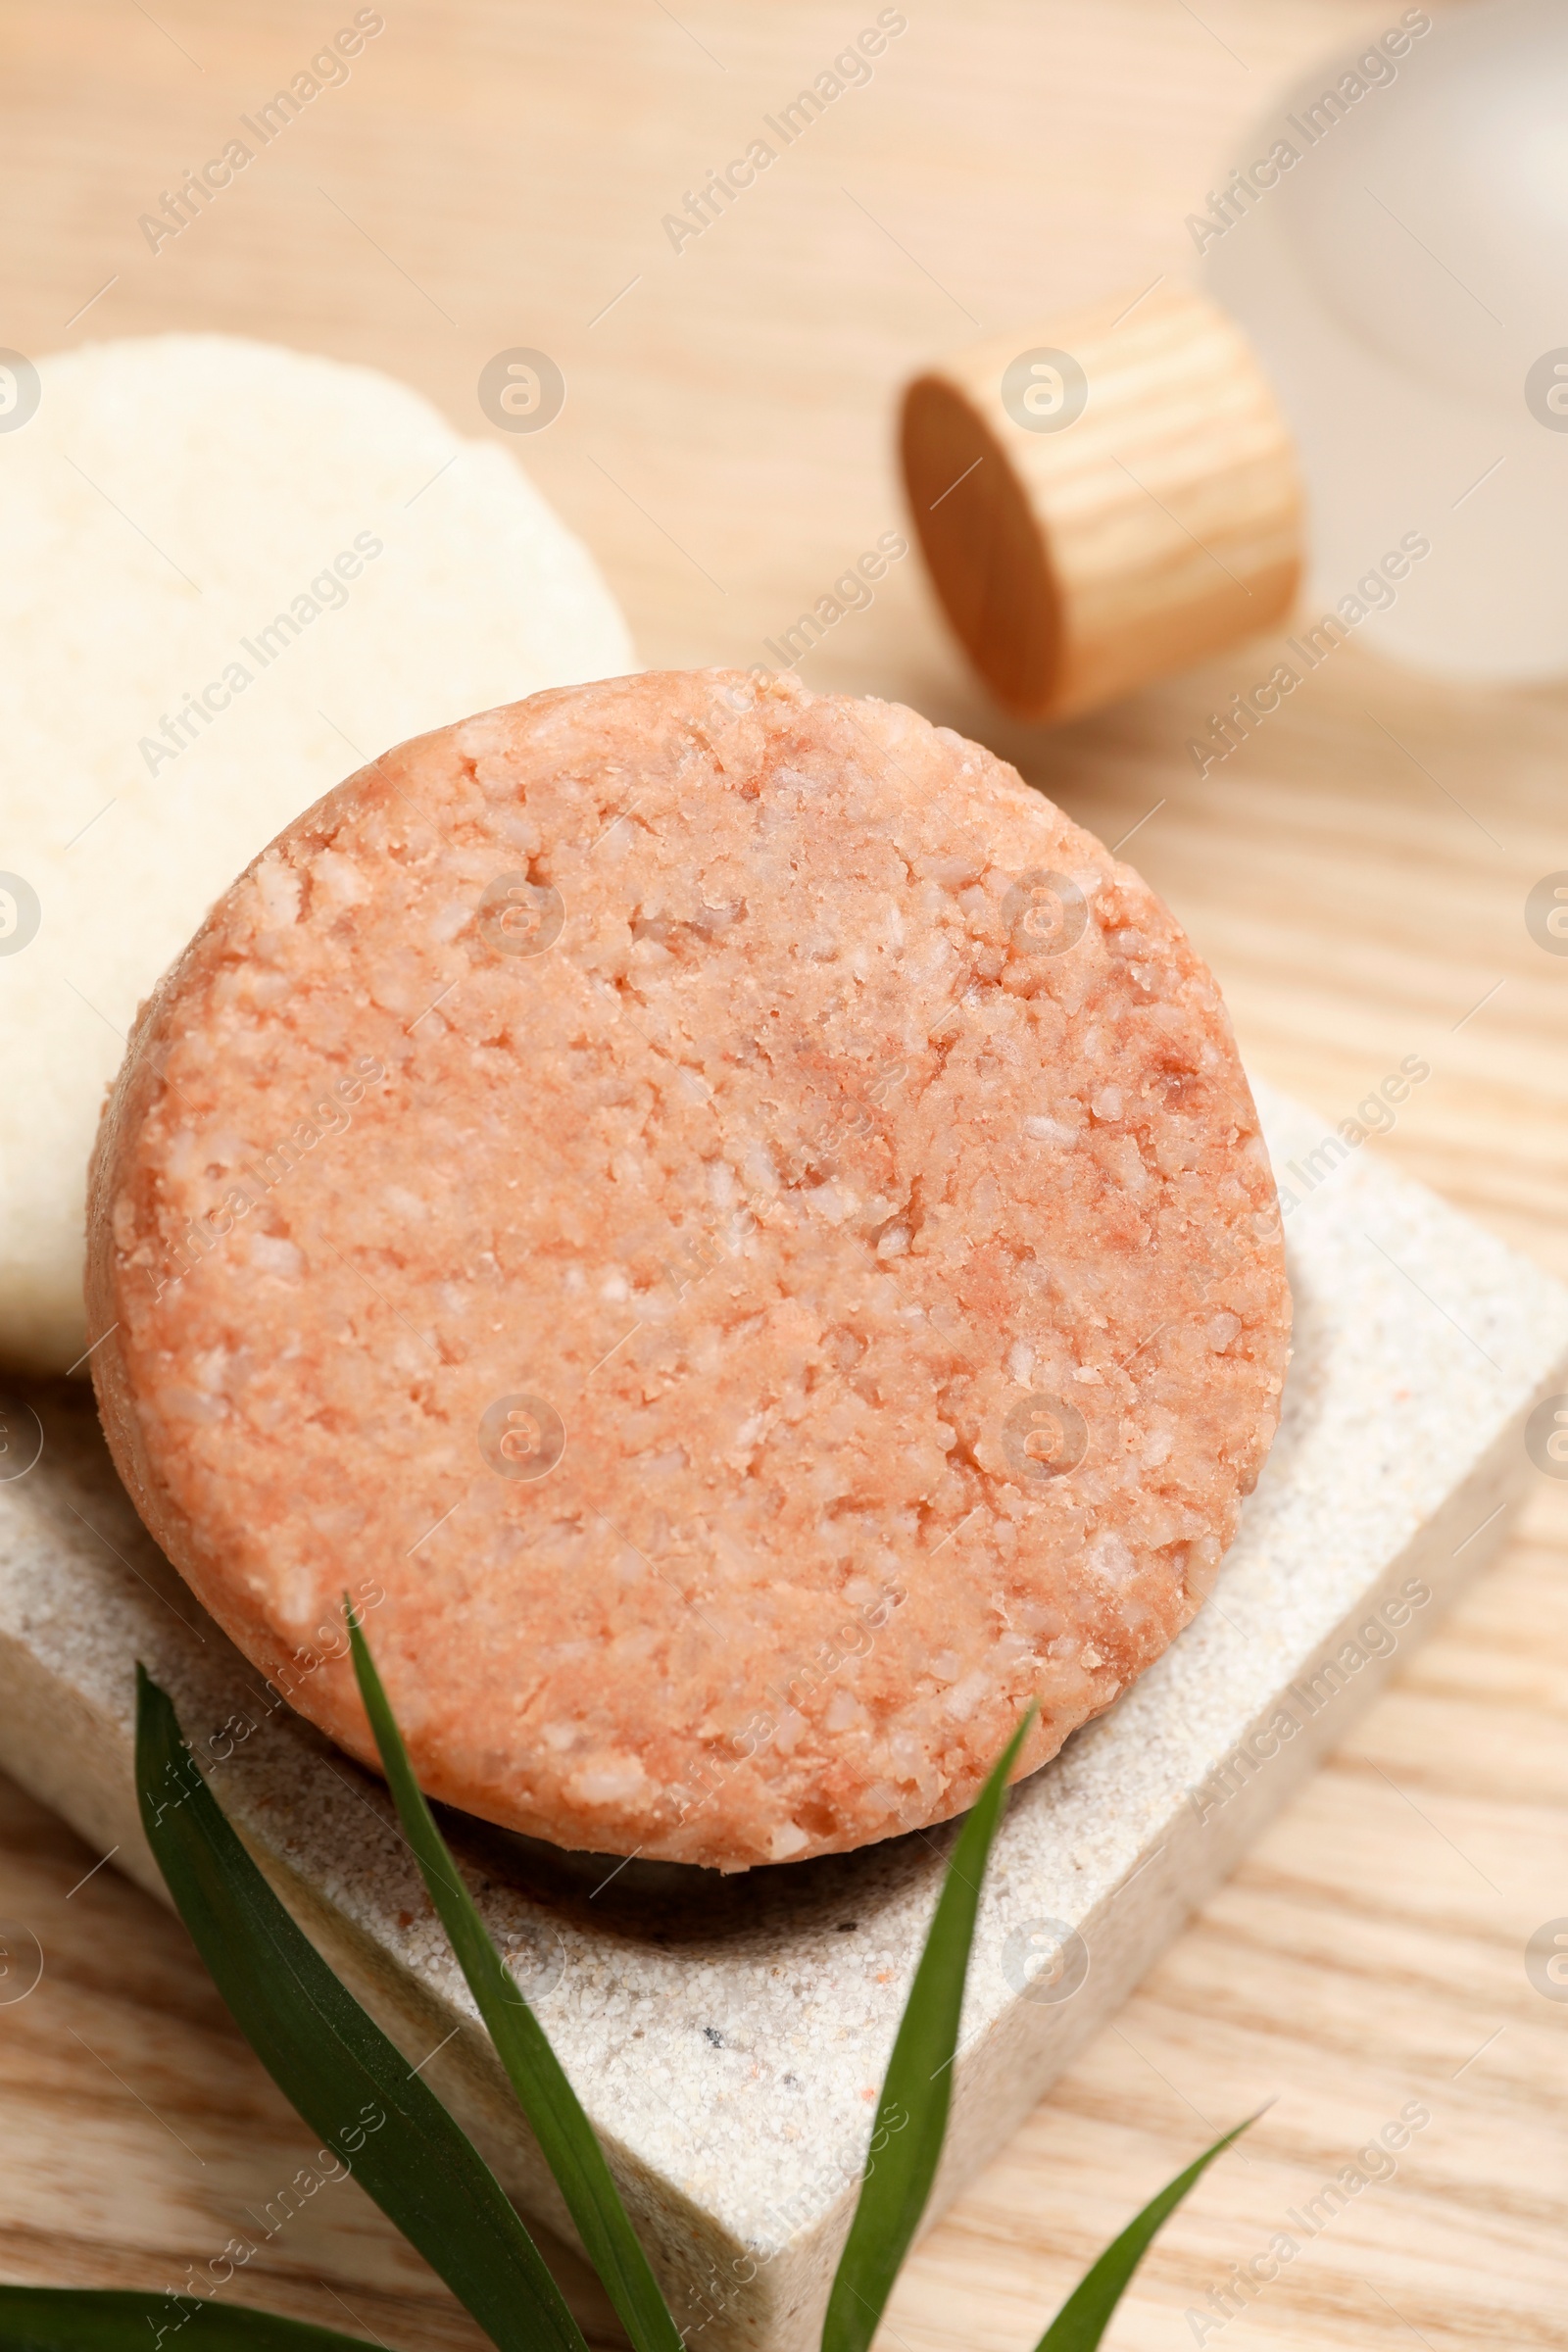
column 1086, row 2315
column 546, row 2096
column 919, row 2085
column 333, row 2062
column 69, row 2318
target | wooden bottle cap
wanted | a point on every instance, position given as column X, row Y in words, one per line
column 1103, row 500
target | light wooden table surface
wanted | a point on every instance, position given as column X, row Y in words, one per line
column 494, row 174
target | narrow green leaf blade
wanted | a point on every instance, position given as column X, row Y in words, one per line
column 919, row 2084
column 333, row 2060
column 69, row 2319
column 567, row 2138
column 1086, row 2315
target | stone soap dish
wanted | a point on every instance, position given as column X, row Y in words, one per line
column 728, row 2040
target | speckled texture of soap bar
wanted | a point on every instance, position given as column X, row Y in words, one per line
column 747, row 1223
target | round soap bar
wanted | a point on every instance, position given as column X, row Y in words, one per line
column 736, row 1230
column 228, row 572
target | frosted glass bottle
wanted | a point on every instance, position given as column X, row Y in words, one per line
column 1395, row 244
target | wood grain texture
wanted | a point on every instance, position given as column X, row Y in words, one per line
column 1078, row 564
column 494, row 174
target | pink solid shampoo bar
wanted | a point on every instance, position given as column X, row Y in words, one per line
column 737, row 1229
